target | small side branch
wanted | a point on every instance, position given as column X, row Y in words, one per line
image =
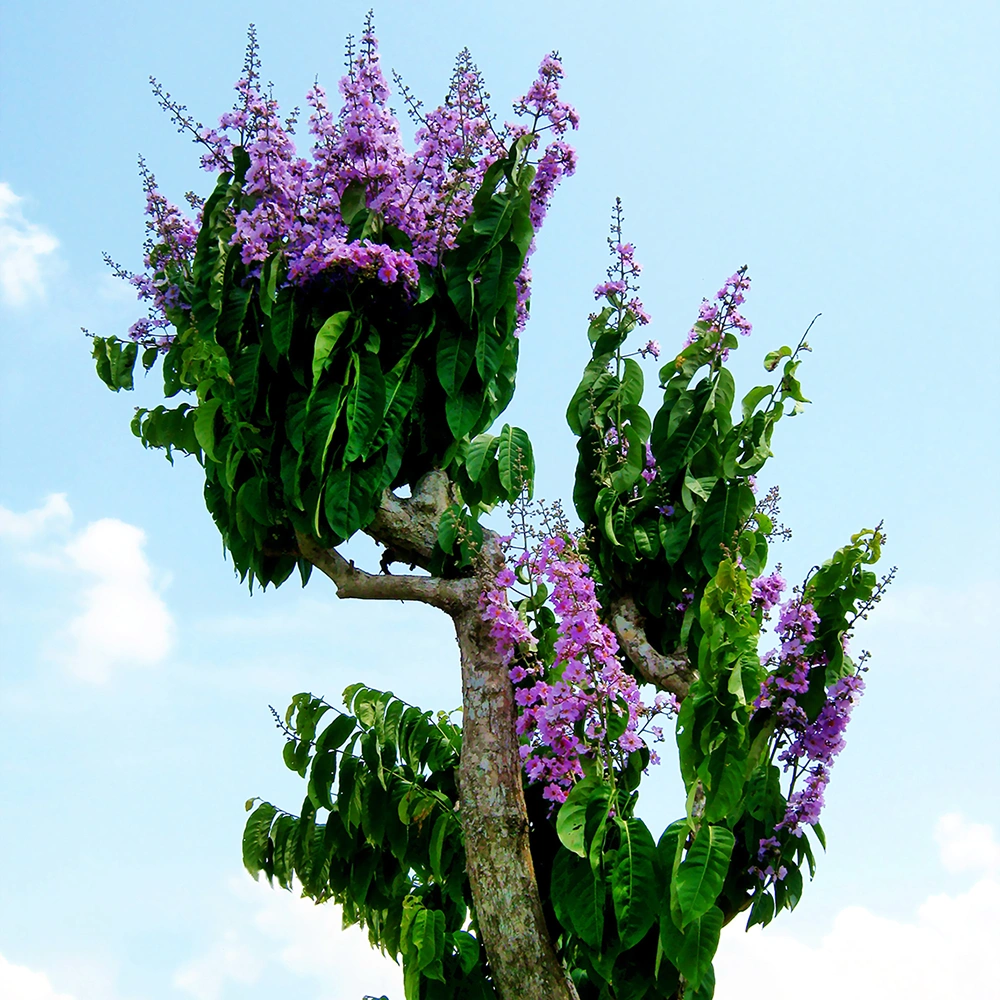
column 669, row 673
column 448, row 595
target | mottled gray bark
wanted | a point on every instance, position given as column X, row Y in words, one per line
column 495, row 822
column 669, row 673
column 493, row 813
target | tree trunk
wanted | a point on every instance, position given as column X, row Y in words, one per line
column 495, row 822
column 494, row 817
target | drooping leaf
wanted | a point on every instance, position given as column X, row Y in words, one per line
column 255, row 835
column 692, row 949
column 578, row 897
column 701, row 875
column 326, row 340
column 634, row 885
column 365, row 405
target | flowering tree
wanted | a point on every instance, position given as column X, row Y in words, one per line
column 344, row 328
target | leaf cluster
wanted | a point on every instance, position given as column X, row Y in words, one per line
column 311, row 400
column 678, row 527
column 378, row 833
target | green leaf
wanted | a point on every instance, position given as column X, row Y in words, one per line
column 753, row 397
column 515, row 461
column 578, row 897
column 462, row 412
column 703, row 871
column 324, row 770
column 692, row 949
column 255, row 837
column 353, row 202
column 326, row 340
column 122, row 363
column 336, row 734
column 773, row 358
column 283, row 321
column 762, row 911
column 728, row 508
column 454, row 359
column 365, row 405
column 674, row 534
column 634, row 886
column 349, row 496
column 204, row 426
column 440, row 831
column 482, row 448
column 571, row 820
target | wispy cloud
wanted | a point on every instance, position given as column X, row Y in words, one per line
column 947, row 949
column 33, row 523
column 283, row 930
column 122, row 620
column 967, row 846
column 21, row 983
column 22, row 245
column 229, row 959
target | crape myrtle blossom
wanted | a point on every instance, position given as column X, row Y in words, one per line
column 716, row 319
column 585, row 704
column 767, row 590
column 808, row 747
column 418, row 201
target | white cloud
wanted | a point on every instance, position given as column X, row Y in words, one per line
column 967, row 846
column 26, row 527
column 22, row 244
column 948, row 949
column 124, row 621
column 280, row 929
column 229, row 959
column 21, row 983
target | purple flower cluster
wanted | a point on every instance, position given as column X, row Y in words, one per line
column 649, row 470
column 767, row 591
column 567, row 710
column 769, row 852
column 425, row 195
column 623, row 274
column 716, row 319
column 808, row 748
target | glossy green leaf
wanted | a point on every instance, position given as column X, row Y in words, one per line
column 455, row 353
column 691, row 950
column 578, row 897
column 701, row 875
column 482, row 449
column 365, row 405
column 634, row 885
column 572, row 817
column 515, row 461
column 204, row 426
column 255, row 835
column 326, row 340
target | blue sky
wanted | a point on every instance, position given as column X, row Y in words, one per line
column 846, row 152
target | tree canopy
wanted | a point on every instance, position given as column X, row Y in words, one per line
column 343, row 329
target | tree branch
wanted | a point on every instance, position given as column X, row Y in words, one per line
column 448, row 595
column 669, row 673
column 408, row 527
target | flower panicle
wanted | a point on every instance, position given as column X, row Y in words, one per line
column 425, row 195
